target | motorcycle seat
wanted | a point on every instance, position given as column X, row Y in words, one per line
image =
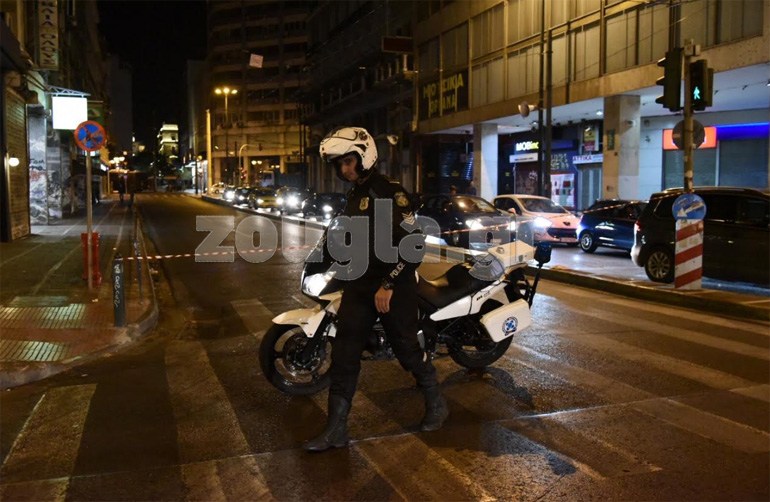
column 455, row 283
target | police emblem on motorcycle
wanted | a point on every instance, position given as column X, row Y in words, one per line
column 509, row 326
column 364, row 204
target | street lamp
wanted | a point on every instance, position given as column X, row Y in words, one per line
column 226, row 92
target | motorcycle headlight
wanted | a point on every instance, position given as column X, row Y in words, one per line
column 312, row 285
column 327, row 209
column 292, row 201
column 542, row 223
column 473, row 224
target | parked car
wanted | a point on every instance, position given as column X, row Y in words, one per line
column 610, row 224
column 263, row 198
column 324, row 205
column 458, row 216
column 290, row 199
column 217, row 187
column 736, row 235
column 550, row 221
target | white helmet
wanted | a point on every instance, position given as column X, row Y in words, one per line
column 345, row 140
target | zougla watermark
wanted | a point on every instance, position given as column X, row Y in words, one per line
column 351, row 241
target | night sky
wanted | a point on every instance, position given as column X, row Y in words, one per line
column 155, row 38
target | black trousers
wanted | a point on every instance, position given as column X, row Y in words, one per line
column 357, row 315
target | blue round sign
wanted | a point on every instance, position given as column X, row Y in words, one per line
column 689, row 206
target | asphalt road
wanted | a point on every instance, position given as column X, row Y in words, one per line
column 603, row 398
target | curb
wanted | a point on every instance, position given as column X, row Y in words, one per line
column 690, row 300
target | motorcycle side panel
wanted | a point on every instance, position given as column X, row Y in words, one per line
column 461, row 307
column 307, row 319
column 504, row 321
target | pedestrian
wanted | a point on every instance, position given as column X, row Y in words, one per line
column 121, row 186
column 387, row 291
column 471, row 190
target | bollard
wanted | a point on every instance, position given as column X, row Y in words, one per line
column 138, row 260
column 96, row 274
column 118, row 291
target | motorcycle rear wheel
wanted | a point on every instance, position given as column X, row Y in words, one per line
column 278, row 357
column 476, row 349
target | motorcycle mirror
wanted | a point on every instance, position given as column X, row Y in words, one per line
column 543, row 253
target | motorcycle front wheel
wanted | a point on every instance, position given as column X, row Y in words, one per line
column 279, row 357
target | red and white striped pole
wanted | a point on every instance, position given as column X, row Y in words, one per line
column 688, row 260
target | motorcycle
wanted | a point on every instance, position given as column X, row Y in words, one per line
column 473, row 309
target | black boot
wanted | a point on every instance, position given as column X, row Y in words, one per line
column 336, row 433
column 436, row 410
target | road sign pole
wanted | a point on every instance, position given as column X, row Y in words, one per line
column 89, row 221
column 689, row 51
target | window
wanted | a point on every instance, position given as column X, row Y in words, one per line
column 454, row 47
column 428, row 53
column 524, row 18
column 621, row 41
column 487, row 31
column 586, row 52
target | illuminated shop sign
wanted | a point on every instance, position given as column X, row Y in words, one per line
column 597, row 158
column 441, row 97
column 48, row 35
column 710, row 140
column 527, row 146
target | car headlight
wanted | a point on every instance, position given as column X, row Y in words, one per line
column 542, row 223
column 292, row 201
column 260, row 201
column 279, row 201
column 473, row 224
column 312, row 285
column 327, row 209
column 241, row 197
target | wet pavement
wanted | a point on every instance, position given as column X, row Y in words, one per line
column 51, row 321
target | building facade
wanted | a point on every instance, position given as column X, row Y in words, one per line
column 256, row 50
column 43, row 172
column 591, row 65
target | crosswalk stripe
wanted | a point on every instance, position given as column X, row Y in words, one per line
column 47, row 446
column 629, row 320
column 593, row 456
column 760, row 392
column 238, row 478
column 46, row 489
column 390, row 462
column 754, row 327
column 255, row 316
column 607, row 388
column 707, row 376
column 722, row 430
column 207, row 426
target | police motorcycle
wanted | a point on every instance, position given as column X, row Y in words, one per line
column 470, row 312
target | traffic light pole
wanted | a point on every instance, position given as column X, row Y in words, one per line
column 690, row 51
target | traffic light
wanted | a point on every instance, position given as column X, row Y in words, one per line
column 671, row 80
column 701, row 84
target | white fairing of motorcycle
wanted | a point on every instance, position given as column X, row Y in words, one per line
column 510, row 256
column 503, row 322
column 310, row 319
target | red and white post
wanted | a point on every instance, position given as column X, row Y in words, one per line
column 688, row 257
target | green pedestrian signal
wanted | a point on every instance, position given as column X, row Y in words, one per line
column 701, row 85
column 671, row 80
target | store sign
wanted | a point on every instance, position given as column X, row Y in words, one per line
column 588, row 159
column 448, row 95
column 48, row 35
column 523, row 157
column 527, row 146
column 709, row 141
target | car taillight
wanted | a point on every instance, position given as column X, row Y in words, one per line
column 637, row 227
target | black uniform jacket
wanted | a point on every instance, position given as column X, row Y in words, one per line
column 361, row 202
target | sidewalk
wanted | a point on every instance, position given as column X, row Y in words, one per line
column 49, row 320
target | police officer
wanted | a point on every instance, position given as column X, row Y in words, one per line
column 387, row 290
